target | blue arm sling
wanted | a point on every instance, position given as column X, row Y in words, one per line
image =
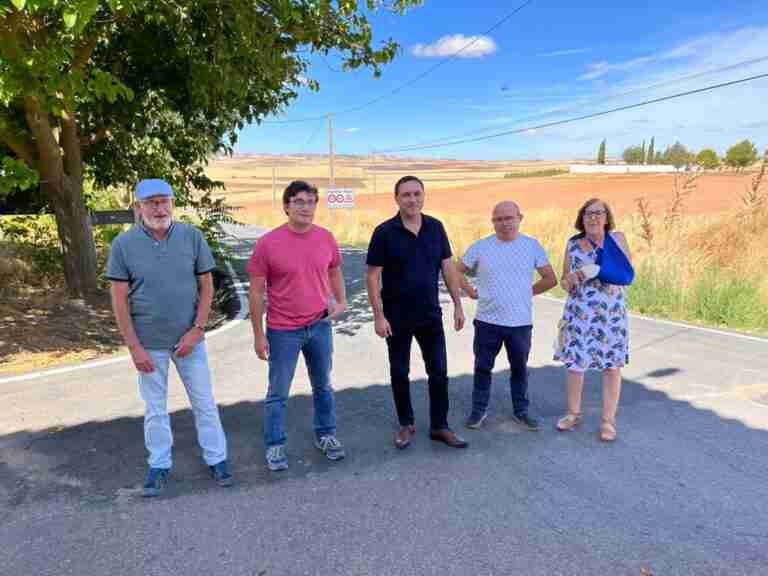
column 615, row 267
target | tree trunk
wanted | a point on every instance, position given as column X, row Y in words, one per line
column 76, row 235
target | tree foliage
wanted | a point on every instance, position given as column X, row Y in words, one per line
column 677, row 155
column 650, row 157
column 741, row 155
column 116, row 90
column 633, row 155
column 707, row 158
column 601, row 153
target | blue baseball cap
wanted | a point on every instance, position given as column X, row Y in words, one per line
column 153, row 187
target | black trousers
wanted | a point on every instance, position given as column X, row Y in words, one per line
column 431, row 340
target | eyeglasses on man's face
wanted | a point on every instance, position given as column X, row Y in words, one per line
column 301, row 203
column 160, row 203
column 594, row 213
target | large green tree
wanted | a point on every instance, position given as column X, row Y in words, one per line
column 707, row 158
column 117, row 90
column 741, row 155
column 677, row 155
column 633, row 155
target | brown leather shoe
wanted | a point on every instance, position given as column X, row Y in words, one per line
column 448, row 437
column 404, row 435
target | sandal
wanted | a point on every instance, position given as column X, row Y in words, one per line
column 607, row 430
column 568, row 422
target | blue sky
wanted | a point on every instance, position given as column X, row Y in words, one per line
column 553, row 60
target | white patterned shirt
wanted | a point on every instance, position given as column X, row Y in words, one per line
column 505, row 278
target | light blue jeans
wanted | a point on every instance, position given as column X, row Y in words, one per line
column 194, row 373
column 315, row 341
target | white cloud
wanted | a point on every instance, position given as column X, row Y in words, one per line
column 569, row 52
column 350, row 130
column 717, row 118
column 598, row 69
column 456, row 45
column 687, row 49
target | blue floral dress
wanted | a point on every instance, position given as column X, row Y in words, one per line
column 593, row 332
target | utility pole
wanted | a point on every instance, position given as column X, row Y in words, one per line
column 373, row 171
column 274, row 185
column 331, row 179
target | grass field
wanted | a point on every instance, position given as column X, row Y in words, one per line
column 698, row 249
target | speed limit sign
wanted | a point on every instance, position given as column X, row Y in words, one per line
column 340, row 198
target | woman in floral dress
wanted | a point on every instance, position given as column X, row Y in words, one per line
column 593, row 331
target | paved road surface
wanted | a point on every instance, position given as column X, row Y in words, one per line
column 683, row 491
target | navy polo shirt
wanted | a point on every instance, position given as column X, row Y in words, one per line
column 410, row 269
column 162, row 277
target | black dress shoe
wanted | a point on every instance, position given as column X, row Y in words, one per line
column 448, row 437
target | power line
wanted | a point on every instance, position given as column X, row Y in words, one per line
column 577, row 118
column 413, row 80
column 601, row 98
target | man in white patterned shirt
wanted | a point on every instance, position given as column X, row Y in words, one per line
column 504, row 264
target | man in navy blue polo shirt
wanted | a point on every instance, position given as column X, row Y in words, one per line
column 408, row 252
column 161, row 288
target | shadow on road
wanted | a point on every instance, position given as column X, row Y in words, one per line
column 97, row 462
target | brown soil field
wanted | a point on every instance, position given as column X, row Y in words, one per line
column 714, row 193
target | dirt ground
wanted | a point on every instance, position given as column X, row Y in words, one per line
column 44, row 328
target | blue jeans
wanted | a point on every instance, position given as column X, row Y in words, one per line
column 153, row 386
column 488, row 341
column 315, row 341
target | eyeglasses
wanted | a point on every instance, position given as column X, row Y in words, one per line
column 301, row 203
column 505, row 219
column 164, row 203
column 594, row 213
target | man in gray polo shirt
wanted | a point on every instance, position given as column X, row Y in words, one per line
column 162, row 288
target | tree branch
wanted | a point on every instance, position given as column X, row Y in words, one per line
column 48, row 150
column 70, row 143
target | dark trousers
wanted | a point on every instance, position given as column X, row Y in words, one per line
column 431, row 340
column 487, row 344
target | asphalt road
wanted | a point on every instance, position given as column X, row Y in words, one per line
column 683, row 490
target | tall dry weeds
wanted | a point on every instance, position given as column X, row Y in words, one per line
column 755, row 198
column 646, row 221
column 682, row 189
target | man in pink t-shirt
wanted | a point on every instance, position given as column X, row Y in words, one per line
column 297, row 266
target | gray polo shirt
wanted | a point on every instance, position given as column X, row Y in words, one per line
column 162, row 275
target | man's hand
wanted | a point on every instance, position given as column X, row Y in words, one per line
column 458, row 318
column 381, row 325
column 261, row 346
column 141, row 359
column 187, row 342
column 335, row 309
column 470, row 291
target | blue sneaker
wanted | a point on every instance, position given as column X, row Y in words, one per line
column 475, row 421
column 155, row 482
column 330, row 446
column 221, row 475
column 276, row 458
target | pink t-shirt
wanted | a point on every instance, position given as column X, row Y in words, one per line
column 295, row 267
